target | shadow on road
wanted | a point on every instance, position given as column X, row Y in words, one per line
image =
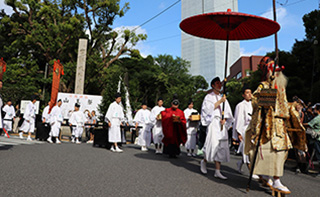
column 235, row 180
column 6, row 147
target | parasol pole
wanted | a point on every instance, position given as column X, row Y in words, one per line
column 275, row 38
column 225, row 74
column 225, row 71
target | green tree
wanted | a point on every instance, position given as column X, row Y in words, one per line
column 149, row 78
column 307, row 54
column 39, row 32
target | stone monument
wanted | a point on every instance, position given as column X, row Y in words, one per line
column 81, row 66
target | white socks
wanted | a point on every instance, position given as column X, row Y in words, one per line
column 203, row 167
column 277, row 182
column 218, row 174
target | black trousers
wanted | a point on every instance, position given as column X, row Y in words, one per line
column 202, row 136
column 317, row 147
column 172, row 150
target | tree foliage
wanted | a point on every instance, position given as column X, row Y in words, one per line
column 149, row 78
column 39, row 32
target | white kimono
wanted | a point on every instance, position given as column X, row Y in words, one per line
column 216, row 147
column 77, row 120
column 56, row 119
column 191, row 129
column 1, row 103
column 45, row 114
column 8, row 118
column 157, row 124
column 241, row 122
column 29, row 118
column 115, row 115
column 142, row 118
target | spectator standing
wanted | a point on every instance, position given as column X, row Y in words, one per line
column 91, row 130
column 17, row 119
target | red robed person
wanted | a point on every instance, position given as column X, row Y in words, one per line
column 174, row 129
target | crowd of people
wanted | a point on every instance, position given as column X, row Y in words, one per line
column 12, row 120
column 265, row 131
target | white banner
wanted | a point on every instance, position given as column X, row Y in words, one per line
column 24, row 103
column 87, row 102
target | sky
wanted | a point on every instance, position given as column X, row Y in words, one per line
column 164, row 34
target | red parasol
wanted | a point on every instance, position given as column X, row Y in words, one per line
column 229, row 26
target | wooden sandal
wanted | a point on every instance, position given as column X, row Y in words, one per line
column 280, row 191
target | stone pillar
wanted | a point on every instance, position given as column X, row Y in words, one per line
column 81, row 66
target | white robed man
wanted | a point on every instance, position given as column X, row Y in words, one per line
column 9, row 117
column 242, row 118
column 77, row 121
column 114, row 118
column 155, row 119
column 192, row 127
column 29, row 116
column 45, row 114
column 142, row 118
column 216, row 147
column 1, row 104
column 56, row 119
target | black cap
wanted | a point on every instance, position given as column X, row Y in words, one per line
column 175, row 102
column 245, row 87
column 117, row 95
column 33, row 97
column 214, row 80
column 190, row 101
column 59, row 100
column 77, row 105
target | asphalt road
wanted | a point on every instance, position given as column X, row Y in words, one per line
column 42, row 169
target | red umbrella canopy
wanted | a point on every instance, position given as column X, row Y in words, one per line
column 236, row 25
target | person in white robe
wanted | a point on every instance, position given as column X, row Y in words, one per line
column 192, row 127
column 114, row 118
column 9, row 117
column 242, row 118
column 56, row 120
column 45, row 114
column 1, row 104
column 155, row 119
column 77, row 121
column 29, row 116
column 142, row 118
column 216, row 147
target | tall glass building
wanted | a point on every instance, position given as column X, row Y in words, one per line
column 207, row 57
